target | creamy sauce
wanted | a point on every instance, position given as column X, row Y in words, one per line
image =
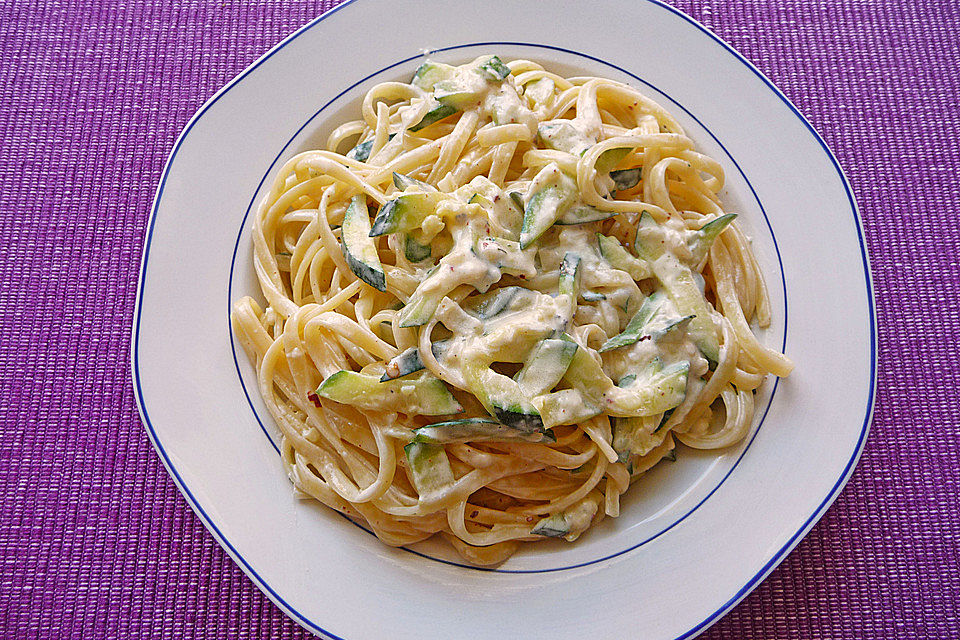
column 485, row 225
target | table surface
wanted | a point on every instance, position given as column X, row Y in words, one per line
column 96, row 541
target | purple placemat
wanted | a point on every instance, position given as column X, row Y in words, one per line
column 95, row 540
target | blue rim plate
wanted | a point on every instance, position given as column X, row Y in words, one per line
column 693, row 539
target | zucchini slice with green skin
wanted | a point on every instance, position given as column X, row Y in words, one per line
column 495, row 68
column 456, row 96
column 657, row 389
column 680, row 284
column 429, row 469
column 545, row 366
column 703, row 238
column 569, row 284
column 636, row 436
column 554, row 526
column 405, row 212
column 436, row 113
column 652, row 392
column 544, row 208
column 477, row 430
column 563, row 135
column 611, row 158
column 626, row 178
column 508, row 256
column 582, row 214
column 569, row 274
column 461, row 91
column 361, row 152
column 409, row 361
column 651, row 322
column 414, row 251
column 403, row 183
column 429, row 73
column 403, row 365
column 541, row 212
column 517, row 198
column 567, row 406
column 499, row 301
column 424, row 396
column 482, row 200
column 359, row 248
column 540, row 90
column 420, row 308
column 663, row 420
column 619, row 258
column 502, row 397
column 635, row 328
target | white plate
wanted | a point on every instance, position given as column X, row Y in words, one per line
column 694, row 537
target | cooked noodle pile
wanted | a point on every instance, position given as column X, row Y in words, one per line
column 509, row 299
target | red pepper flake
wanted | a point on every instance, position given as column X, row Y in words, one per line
column 314, row 398
column 531, row 519
column 474, row 513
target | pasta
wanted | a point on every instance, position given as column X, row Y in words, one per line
column 512, row 296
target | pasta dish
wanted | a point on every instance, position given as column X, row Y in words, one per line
column 494, row 301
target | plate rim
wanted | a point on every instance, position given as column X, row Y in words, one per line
column 752, row 583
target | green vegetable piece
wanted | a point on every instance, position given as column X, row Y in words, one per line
column 429, row 73
column 405, row 213
column 570, row 274
column 618, row 257
column 554, row 526
column 626, row 178
column 477, row 430
column 517, row 198
column 409, row 361
column 359, row 248
column 540, row 90
column 414, row 251
column 563, row 135
column 635, row 328
column 421, row 396
column 582, row 214
column 429, row 469
column 545, row 366
column 361, row 152
column 499, row 301
column 650, row 322
column 495, row 68
column 635, row 436
column 610, row 159
column 702, row 239
column 435, row 114
column 680, row 284
column 454, row 95
column 502, row 397
column 420, row 308
column 403, row 183
column 651, row 393
column 663, row 420
column 566, row 406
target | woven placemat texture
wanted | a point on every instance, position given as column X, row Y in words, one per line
column 95, row 540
